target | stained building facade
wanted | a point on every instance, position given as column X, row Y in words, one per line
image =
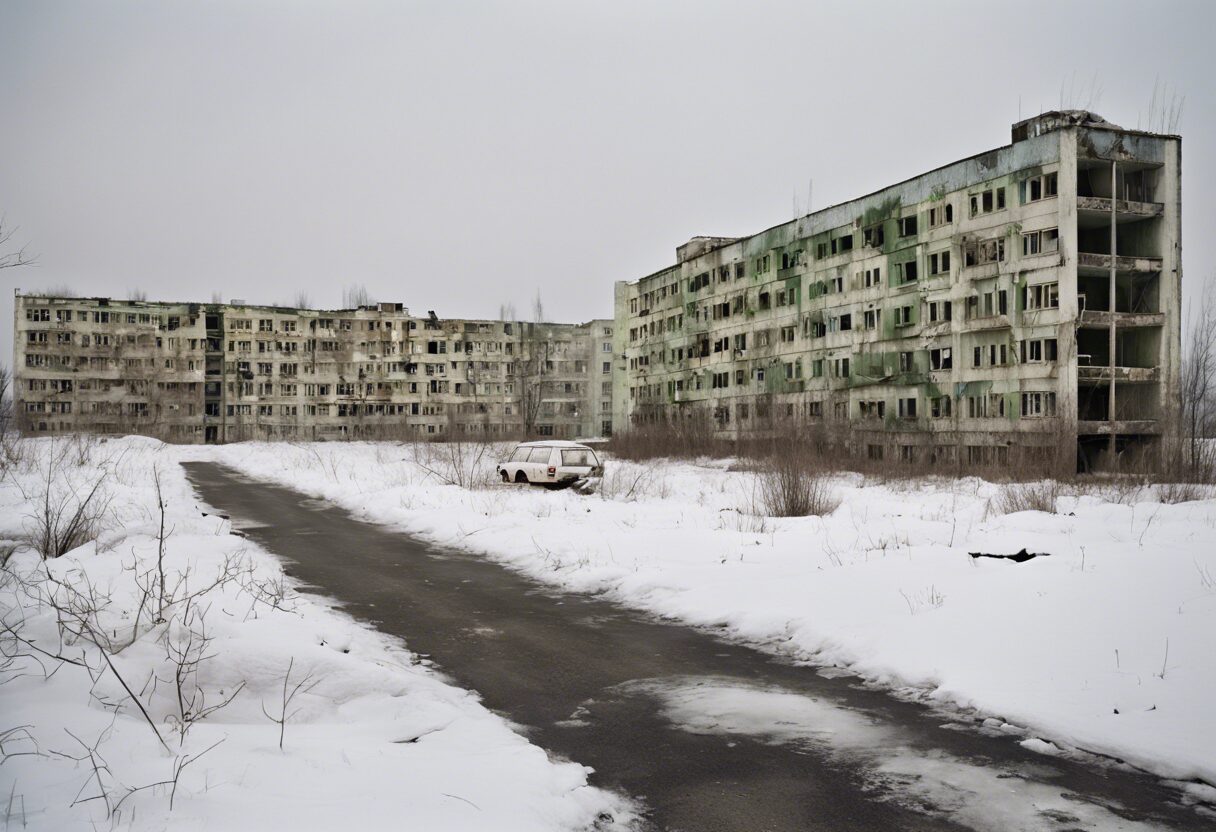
column 1021, row 303
column 229, row 372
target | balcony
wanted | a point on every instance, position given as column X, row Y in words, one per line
column 1105, row 428
column 1090, row 263
column 1096, row 319
column 1121, row 374
column 1095, row 210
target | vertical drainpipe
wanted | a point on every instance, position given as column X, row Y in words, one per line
column 1114, row 196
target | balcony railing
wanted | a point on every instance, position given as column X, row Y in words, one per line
column 1127, row 374
column 1099, row 318
column 1124, row 206
column 1121, row 426
column 1123, row 263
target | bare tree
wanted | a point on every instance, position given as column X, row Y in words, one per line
column 356, row 295
column 137, row 294
column 532, row 365
column 301, row 300
column 1198, row 384
column 6, row 400
column 538, row 308
column 13, row 258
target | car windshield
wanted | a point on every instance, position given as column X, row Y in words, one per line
column 579, row 456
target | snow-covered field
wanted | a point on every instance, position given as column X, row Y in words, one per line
column 1107, row 645
column 125, row 705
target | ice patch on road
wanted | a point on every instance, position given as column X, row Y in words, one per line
column 978, row 796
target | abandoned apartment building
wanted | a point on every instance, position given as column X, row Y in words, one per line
column 1006, row 307
column 189, row 372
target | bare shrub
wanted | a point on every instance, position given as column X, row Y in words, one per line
column 1029, row 496
column 624, row 484
column 187, row 646
column 305, row 684
column 689, row 436
column 65, row 514
column 1181, row 492
column 795, row 485
column 465, row 463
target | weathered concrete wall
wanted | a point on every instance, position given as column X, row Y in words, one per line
column 763, row 326
column 217, row 372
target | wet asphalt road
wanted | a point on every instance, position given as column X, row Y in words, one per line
column 559, row 665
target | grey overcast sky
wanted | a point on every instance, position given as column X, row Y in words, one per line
column 457, row 155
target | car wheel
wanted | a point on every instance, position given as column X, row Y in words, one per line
column 505, row 476
column 520, row 476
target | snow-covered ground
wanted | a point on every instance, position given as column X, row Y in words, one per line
column 93, row 738
column 1107, row 645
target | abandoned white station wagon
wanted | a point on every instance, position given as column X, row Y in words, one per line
column 550, row 463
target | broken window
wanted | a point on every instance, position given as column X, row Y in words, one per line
column 1042, row 296
column 940, row 359
column 1035, row 405
column 871, row 409
column 874, row 236
column 907, row 226
column 1039, row 187
column 940, row 215
column 1041, row 242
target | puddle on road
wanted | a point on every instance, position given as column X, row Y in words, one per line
column 998, row 797
column 314, row 505
column 483, row 632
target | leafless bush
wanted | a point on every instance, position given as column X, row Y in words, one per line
column 1029, row 496
column 187, row 644
column 690, row 436
column 795, row 484
column 624, row 484
column 64, row 514
column 466, row 463
column 1181, row 492
column 290, row 692
column 1125, row 491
